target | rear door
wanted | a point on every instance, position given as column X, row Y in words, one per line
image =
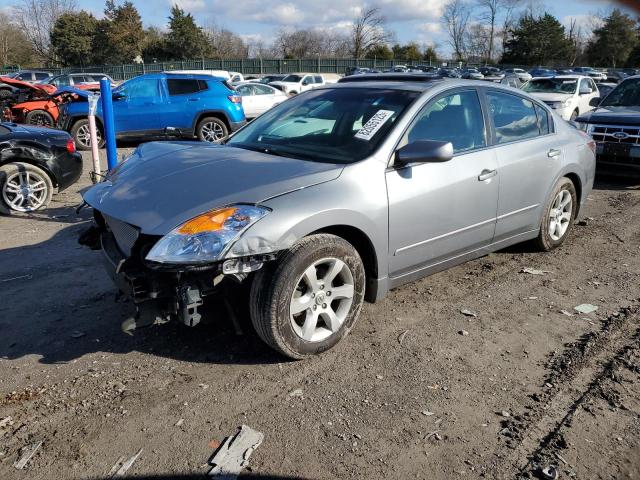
column 183, row 102
column 528, row 153
column 250, row 101
column 440, row 211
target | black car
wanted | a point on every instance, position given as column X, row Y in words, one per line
column 615, row 126
column 33, row 162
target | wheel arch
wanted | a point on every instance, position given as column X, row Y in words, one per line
column 219, row 114
column 363, row 245
column 577, row 183
column 30, row 161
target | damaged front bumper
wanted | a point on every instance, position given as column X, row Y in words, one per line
column 162, row 293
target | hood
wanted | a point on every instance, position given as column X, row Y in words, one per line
column 551, row 97
column 37, row 87
column 83, row 93
column 613, row 116
column 164, row 184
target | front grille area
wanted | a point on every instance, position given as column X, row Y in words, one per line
column 616, row 134
column 125, row 234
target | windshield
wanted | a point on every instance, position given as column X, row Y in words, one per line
column 292, row 78
column 552, row 85
column 341, row 125
column 627, row 94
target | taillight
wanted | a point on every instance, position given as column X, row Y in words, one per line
column 235, row 98
column 590, row 141
column 71, row 146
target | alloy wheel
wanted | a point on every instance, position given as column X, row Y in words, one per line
column 321, row 299
column 212, row 132
column 83, row 136
column 560, row 215
column 25, row 191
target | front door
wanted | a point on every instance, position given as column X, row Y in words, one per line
column 140, row 110
column 439, row 211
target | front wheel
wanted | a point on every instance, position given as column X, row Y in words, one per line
column 574, row 115
column 307, row 302
column 559, row 215
column 211, row 129
column 82, row 137
column 39, row 118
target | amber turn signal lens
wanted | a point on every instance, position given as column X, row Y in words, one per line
column 207, row 222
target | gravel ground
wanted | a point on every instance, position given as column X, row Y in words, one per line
column 418, row 390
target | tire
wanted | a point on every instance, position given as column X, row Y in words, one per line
column 278, row 287
column 39, row 118
column 4, row 94
column 211, row 129
column 80, row 134
column 573, row 116
column 556, row 224
column 36, row 182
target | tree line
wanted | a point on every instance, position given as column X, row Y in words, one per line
column 57, row 33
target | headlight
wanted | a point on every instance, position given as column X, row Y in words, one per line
column 204, row 238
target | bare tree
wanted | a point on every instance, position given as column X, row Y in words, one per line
column 456, row 17
column 368, row 31
column 509, row 10
column 36, row 18
column 489, row 11
column 225, row 43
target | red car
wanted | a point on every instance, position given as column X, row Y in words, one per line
column 34, row 104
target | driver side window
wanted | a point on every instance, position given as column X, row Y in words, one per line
column 455, row 118
column 143, row 88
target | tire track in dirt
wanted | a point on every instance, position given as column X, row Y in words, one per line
column 577, row 375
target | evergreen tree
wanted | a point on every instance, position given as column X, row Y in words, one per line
column 72, row 38
column 614, row 41
column 124, row 33
column 380, row 52
column 537, row 41
column 186, row 39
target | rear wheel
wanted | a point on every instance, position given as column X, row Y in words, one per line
column 307, row 302
column 25, row 188
column 574, row 115
column 82, row 137
column 39, row 118
column 4, row 94
column 211, row 129
column 559, row 215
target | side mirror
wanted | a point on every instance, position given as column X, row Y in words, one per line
column 586, row 90
column 424, row 151
column 595, row 102
column 119, row 95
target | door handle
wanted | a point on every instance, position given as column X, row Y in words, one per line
column 487, row 174
column 554, row 152
column 194, row 99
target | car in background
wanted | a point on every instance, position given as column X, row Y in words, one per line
column 615, row 127
column 356, row 71
column 448, row 72
column 26, row 76
column 615, row 76
column 339, row 194
column 568, row 95
column 234, row 77
column 34, row 162
column 598, row 76
column 272, row 77
column 542, row 72
column 605, row 88
column 77, row 79
column 522, row 74
column 512, row 80
column 160, row 105
column 295, row 83
column 258, row 98
column 472, row 74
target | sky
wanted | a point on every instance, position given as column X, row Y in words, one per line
column 258, row 20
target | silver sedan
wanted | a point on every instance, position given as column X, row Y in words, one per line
column 336, row 196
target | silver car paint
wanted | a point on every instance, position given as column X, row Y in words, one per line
column 419, row 219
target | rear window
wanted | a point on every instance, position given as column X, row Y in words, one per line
column 41, row 76
column 185, row 86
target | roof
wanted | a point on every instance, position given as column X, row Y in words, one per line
column 387, row 81
column 562, row 77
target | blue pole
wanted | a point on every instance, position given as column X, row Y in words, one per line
column 109, row 125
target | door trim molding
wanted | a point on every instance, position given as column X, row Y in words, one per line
column 515, row 212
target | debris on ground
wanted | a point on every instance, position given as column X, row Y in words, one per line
column 427, row 413
column 122, row 465
column 6, row 422
column 533, row 271
column 77, row 334
column 296, row 393
column 550, row 472
column 585, row 308
column 179, row 422
column 505, row 413
column 214, row 444
column 401, row 336
column 233, row 455
column 567, row 313
column 464, row 333
column 27, row 454
column 468, row 313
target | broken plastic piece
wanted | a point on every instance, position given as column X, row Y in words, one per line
column 233, row 455
column 585, row 308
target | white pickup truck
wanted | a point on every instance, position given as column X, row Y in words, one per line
column 295, row 83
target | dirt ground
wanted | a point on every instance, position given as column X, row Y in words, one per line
column 418, row 390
